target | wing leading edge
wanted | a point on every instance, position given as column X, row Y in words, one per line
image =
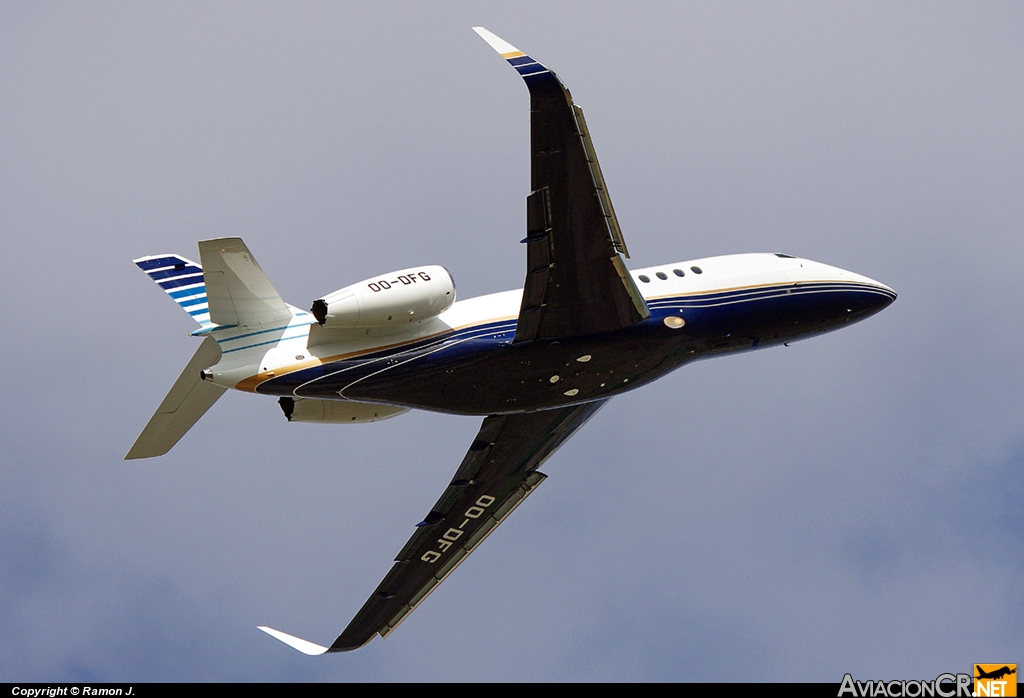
column 576, row 281
column 497, row 474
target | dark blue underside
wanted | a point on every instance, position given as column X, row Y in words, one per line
column 479, row 370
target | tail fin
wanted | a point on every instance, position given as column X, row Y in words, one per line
column 182, row 280
column 188, row 400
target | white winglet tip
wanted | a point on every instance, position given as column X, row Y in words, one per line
column 497, row 43
column 304, row 646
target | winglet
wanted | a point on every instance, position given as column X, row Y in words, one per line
column 304, row 646
column 503, row 47
column 531, row 70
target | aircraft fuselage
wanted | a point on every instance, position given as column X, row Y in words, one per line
column 465, row 361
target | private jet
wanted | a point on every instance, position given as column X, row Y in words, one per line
column 536, row 363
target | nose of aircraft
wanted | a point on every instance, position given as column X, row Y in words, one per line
column 859, row 296
column 885, row 294
column 875, row 296
column 883, row 298
column 890, row 295
column 842, row 275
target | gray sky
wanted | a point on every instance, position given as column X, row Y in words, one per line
column 849, row 504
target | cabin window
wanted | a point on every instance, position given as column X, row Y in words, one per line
column 696, row 270
column 645, row 279
column 679, row 272
column 661, row 275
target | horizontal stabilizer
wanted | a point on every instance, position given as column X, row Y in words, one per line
column 238, row 291
column 188, row 400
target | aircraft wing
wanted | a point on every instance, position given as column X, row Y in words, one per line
column 498, row 472
column 576, row 281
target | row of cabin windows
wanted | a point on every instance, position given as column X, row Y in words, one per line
column 662, row 275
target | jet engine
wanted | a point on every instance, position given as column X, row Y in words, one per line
column 336, row 411
column 398, row 298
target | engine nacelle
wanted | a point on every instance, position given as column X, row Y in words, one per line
column 398, row 298
column 335, row 411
